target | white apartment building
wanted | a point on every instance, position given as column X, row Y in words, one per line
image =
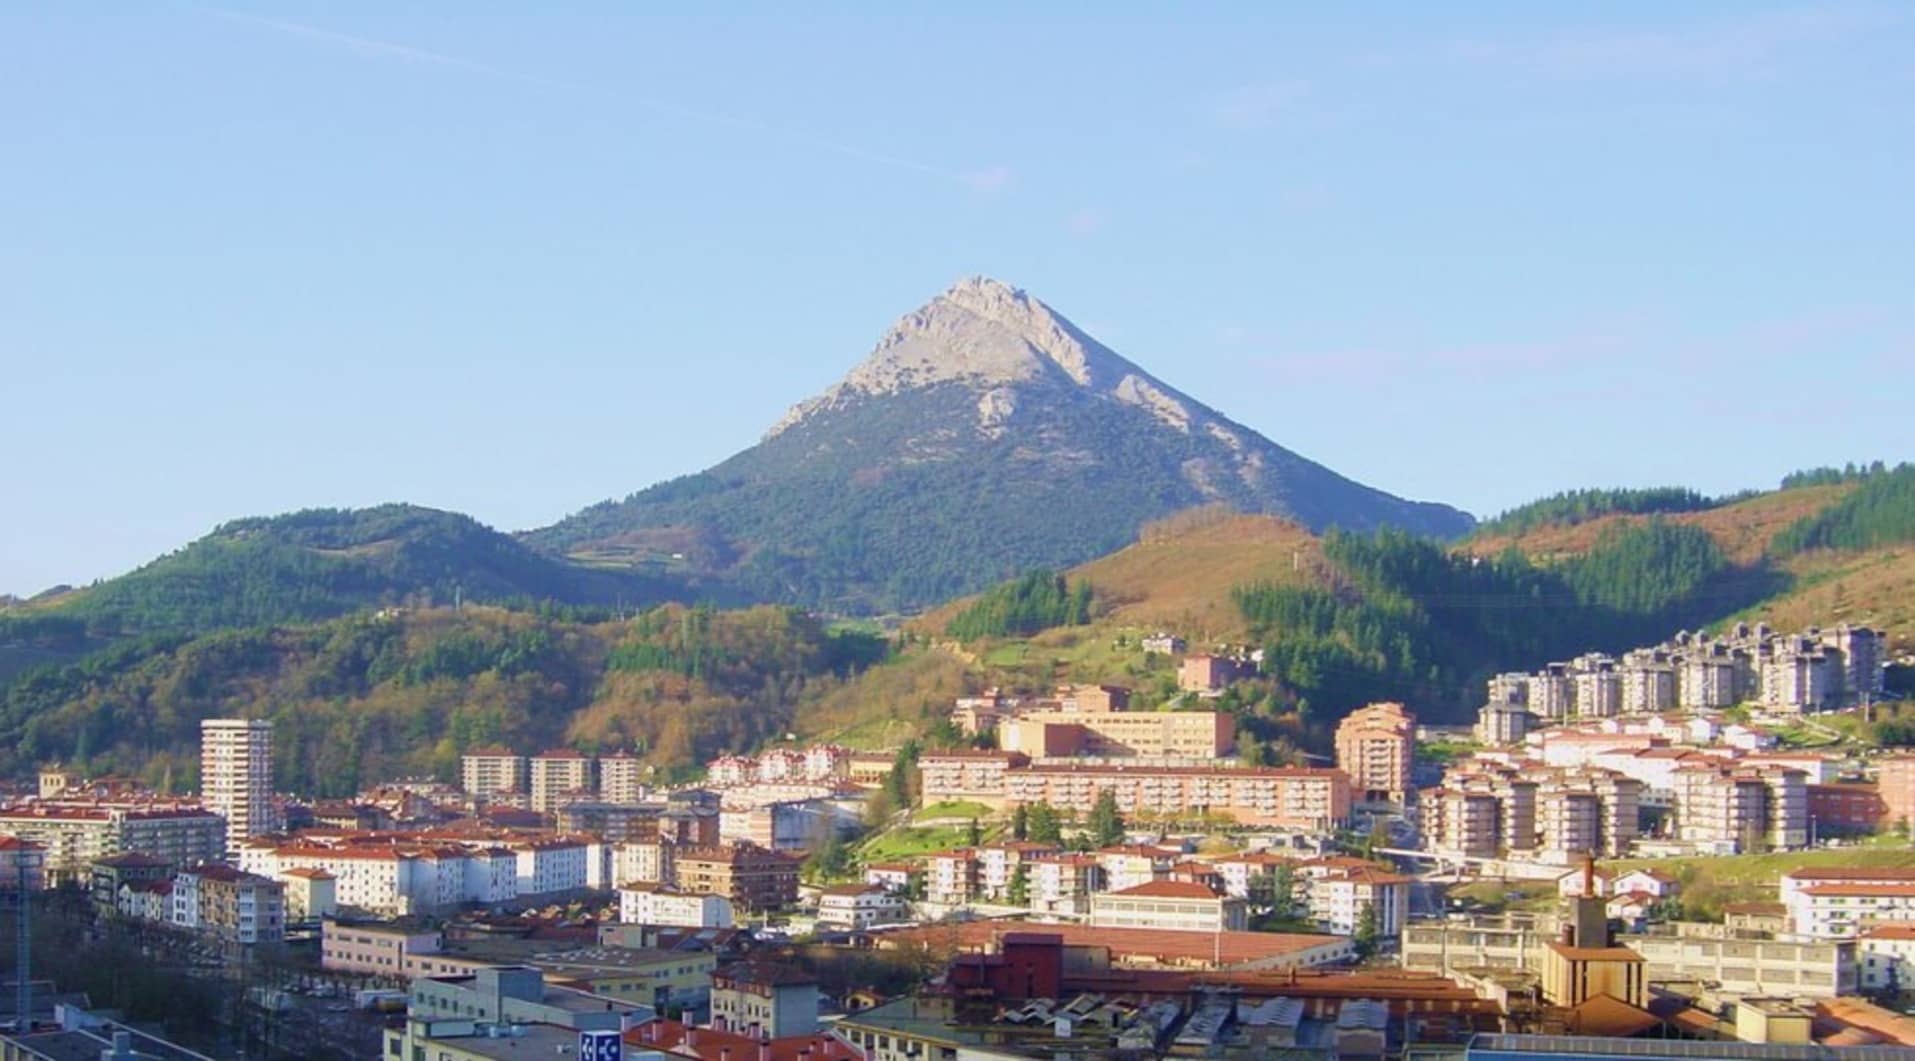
column 556, row 774
column 658, row 904
column 1844, row 910
column 1338, row 900
column 73, row 835
column 859, row 906
column 1887, row 956
column 557, row 865
column 486, row 772
column 1064, row 884
column 236, row 775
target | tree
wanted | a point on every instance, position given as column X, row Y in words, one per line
column 1106, row 824
column 1367, row 932
column 1283, row 890
column 1018, row 892
column 1021, row 823
column 830, row 860
column 973, row 835
column 1044, row 826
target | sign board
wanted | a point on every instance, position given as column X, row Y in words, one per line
column 599, row 1046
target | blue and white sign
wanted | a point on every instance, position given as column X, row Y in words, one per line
column 599, row 1046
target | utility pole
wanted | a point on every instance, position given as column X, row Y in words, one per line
column 23, row 942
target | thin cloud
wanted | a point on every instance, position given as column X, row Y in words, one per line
column 1258, row 106
column 1085, row 222
column 984, row 180
column 1742, row 46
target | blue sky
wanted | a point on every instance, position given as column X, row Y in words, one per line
column 255, row 259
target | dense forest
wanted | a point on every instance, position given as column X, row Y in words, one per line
column 1881, row 511
column 1410, row 620
column 1580, row 506
column 370, row 697
column 1023, row 606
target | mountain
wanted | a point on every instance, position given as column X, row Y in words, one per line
column 322, row 563
column 985, row 434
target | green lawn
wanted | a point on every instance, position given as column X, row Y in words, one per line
column 911, row 841
column 955, row 809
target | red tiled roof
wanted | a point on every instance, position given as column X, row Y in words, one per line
column 1170, row 946
column 710, row 1044
column 1851, row 873
column 1863, row 888
column 1169, row 889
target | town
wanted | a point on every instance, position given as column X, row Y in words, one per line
column 1078, row 877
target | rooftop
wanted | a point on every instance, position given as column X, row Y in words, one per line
column 1149, row 945
column 1169, row 889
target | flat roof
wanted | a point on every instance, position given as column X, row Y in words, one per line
column 1569, row 1047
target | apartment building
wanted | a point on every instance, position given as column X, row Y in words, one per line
column 764, row 1000
column 1598, row 687
column 1376, row 747
column 968, row 775
column 557, row 775
column 1341, row 900
column 1179, row 906
column 660, row 904
column 493, row 771
column 951, row 878
column 1894, row 777
column 998, row 865
column 621, row 779
column 236, row 775
column 1283, row 797
column 1886, row 953
column 1585, row 811
column 1064, row 884
column 1844, row 909
column 1129, row 865
column 239, row 907
column 73, row 835
column 1501, row 723
column 753, row 878
column 856, row 907
column 1728, row 807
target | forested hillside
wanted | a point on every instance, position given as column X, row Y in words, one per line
column 324, row 563
column 369, row 698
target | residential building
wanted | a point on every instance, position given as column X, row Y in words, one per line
column 658, row 904
column 1208, row 674
column 1346, row 900
column 557, row 775
column 967, row 775
column 493, row 771
column 236, row 775
column 1129, row 865
column 1894, row 776
column 311, row 894
column 1887, row 956
column 1846, row 809
column 1064, row 884
column 753, row 878
column 621, row 779
column 999, row 864
column 1375, row 747
column 891, row 876
column 1169, row 905
column 1500, row 723
column 764, row 1000
column 109, row 874
column 238, row 907
column 1844, row 909
column 1284, row 797
column 859, row 906
column 23, row 865
column 951, row 877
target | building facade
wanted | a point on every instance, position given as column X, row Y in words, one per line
column 236, row 775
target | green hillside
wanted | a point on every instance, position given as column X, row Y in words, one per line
column 324, row 563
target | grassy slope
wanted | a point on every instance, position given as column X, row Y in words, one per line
column 1707, row 883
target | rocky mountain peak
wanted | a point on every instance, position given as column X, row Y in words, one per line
column 998, row 340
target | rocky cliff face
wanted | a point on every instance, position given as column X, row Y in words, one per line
column 983, row 435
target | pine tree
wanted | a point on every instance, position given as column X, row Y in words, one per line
column 1106, row 824
column 1044, row 826
column 1021, row 823
column 1018, row 892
